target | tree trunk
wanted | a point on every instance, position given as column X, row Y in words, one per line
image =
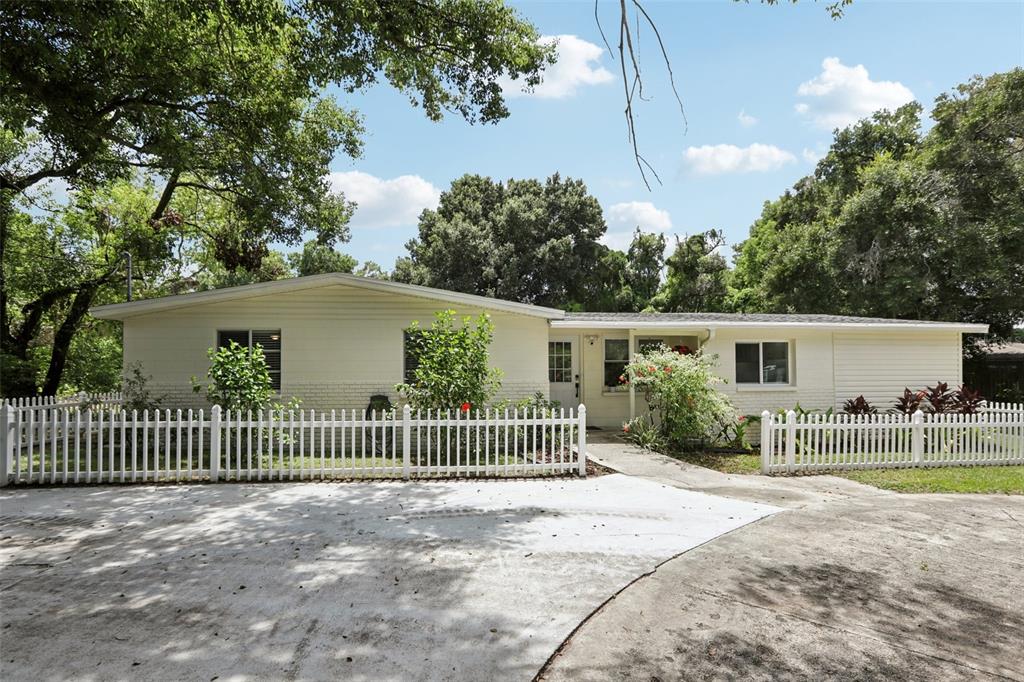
column 65, row 333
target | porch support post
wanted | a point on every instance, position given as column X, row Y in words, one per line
column 632, row 392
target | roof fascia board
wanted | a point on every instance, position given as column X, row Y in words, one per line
column 607, row 324
column 116, row 311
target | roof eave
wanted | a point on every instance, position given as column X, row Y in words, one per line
column 121, row 311
column 964, row 327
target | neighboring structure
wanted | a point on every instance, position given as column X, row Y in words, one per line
column 998, row 372
column 334, row 340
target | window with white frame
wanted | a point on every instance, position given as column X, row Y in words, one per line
column 616, row 357
column 267, row 339
column 763, row 362
column 559, row 362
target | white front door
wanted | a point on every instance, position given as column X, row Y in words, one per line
column 564, row 371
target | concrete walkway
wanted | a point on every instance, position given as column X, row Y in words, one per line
column 851, row 583
column 468, row 580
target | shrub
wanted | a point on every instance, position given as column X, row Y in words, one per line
column 859, row 405
column 537, row 402
column 135, row 390
column 967, row 401
column 238, row 378
column 452, row 364
column 939, row 397
column 642, row 432
column 680, row 392
column 909, row 402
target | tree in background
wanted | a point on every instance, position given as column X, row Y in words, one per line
column 219, row 104
column 522, row 240
column 695, row 280
column 896, row 223
column 316, row 259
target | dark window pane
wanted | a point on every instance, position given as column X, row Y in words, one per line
column 410, row 357
column 616, row 350
column 240, row 336
column 776, row 362
column 612, row 372
column 747, row 361
column 275, row 381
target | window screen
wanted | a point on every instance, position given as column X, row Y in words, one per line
column 560, row 361
column 616, row 357
column 766, row 362
column 775, row 362
column 410, row 359
column 748, row 360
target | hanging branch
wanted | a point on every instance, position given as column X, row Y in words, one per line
column 632, row 79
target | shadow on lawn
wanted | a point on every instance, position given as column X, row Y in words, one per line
column 265, row 581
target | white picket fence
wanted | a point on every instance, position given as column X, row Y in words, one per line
column 815, row 442
column 73, row 400
column 58, row 445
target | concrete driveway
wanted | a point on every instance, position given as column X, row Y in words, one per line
column 850, row 583
column 434, row 580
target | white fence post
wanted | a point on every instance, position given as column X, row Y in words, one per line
column 7, row 440
column 215, row 443
column 406, row 441
column 917, row 436
column 581, row 445
column 791, row 441
column 766, row 442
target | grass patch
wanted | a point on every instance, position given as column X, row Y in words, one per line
column 726, row 463
column 999, row 479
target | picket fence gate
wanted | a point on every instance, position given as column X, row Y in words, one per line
column 67, row 445
column 815, row 442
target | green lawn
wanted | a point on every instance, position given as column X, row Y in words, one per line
column 1000, row 479
column 994, row 480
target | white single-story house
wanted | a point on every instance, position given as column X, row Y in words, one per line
column 334, row 340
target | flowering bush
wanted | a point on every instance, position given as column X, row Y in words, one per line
column 680, row 393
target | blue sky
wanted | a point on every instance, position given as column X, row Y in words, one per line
column 791, row 71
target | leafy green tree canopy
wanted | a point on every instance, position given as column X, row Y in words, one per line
column 522, row 240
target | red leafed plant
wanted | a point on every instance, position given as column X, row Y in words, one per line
column 940, row 398
column 859, row 405
column 967, row 400
column 909, row 402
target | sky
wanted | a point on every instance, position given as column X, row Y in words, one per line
column 763, row 87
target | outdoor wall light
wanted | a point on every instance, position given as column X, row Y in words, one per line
column 591, row 339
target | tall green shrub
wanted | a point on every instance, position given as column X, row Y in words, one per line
column 238, row 378
column 452, row 371
column 680, row 393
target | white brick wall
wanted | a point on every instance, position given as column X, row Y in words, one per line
column 328, row 396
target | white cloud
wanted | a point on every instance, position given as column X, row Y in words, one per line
column 746, row 120
column 578, row 64
column 841, row 95
column 811, row 156
column 727, row 158
column 385, row 203
column 625, row 217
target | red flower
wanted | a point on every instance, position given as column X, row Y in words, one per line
column 668, row 369
column 622, row 378
column 625, row 428
column 465, row 407
column 743, row 419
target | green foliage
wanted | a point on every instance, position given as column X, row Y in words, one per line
column 135, row 392
column 238, row 379
column 900, row 223
column 537, row 402
column 521, row 240
column 223, row 103
column 317, row 258
column 696, row 277
column 680, row 393
column 452, row 368
column 644, row 432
